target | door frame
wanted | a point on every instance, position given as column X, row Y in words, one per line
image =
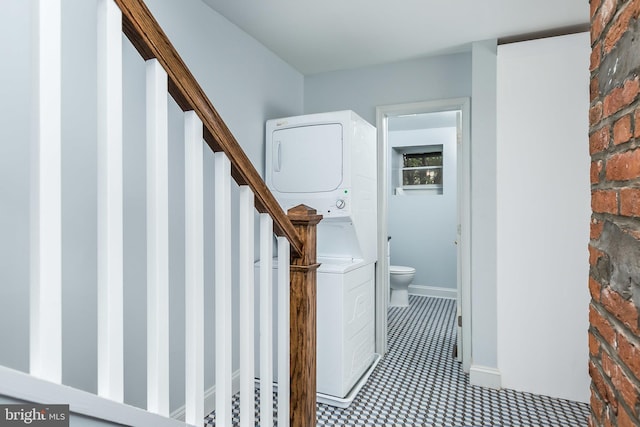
column 383, row 113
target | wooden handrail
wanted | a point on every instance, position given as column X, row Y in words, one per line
column 149, row 39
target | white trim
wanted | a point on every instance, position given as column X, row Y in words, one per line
column 485, row 376
column 209, row 399
column 110, row 203
column 266, row 317
column 464, row 216
column 247, row 306
column 194, row 267
column 223, row 287
column 20, row 386
column 45, row 294
column 463, row 308
column 433, row 291
column 284, row 351
column 157, row 239
column 382, row 266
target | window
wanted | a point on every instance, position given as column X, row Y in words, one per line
column 422, row 170
column 417, row 169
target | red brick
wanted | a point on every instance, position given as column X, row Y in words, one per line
column 626, row 389
column 602, row 326
column 602, row 387
column 602, row 18
column 599, row 140
column 625, row 311
column 607, row 10
column 604, row 201
column 594, row 289
column 596, row 28
column 629, row 11
column 607, row 415
column 630, row 354
column 595, row 114
column 595, row 229
column 596, row 55
column 623, row 166
column 625, row 420
column 630, row 202
column 608, row 365
column 594, row 174
column 636, row 123
column 594, row 255
column 621, row 97
column 593, row 7
column 597, row 405
column 622, row 130
column 594, row 345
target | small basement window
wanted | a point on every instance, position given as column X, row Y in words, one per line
column 418, row 169
column 422, row 170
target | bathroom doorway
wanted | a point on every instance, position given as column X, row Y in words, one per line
column 439, row 131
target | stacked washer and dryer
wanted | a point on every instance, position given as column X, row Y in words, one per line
column 328, row 161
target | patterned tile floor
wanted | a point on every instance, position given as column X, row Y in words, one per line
column 418, row 383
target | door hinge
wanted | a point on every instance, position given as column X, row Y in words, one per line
column 460, row 321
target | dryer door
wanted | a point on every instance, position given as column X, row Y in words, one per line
column 307, row 159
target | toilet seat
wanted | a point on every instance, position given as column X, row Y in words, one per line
column 401, row 269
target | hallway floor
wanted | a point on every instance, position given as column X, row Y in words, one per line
column 418, row 383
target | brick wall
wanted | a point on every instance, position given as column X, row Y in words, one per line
column 614, row 250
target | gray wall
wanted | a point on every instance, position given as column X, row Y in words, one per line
column 460, row 75
column 364, row 89
column 422, row 224
column 246, row 83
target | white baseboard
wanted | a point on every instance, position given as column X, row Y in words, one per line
column 209, row 398
column 485, row 376
column 433, row 291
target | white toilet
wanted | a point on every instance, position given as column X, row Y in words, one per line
column 400, row 279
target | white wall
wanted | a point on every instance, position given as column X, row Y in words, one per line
column 246, row 83
column 543, row 216
column 423, row 224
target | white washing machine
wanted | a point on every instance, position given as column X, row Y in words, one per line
column 345, row 325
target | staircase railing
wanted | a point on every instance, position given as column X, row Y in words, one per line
column 295, row 233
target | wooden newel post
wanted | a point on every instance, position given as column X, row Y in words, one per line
column 302, row 406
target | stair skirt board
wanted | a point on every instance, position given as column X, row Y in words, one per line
column 23, row 387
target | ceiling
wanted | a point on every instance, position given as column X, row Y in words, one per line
column 319, row 36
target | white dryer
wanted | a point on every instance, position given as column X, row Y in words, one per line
column 328, row 161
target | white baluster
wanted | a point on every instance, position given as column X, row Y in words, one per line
column 266, row 320
column 283, row 331
column 157, row 240
column 110, row 246
column 223, row 288
column 46, row 216
column 247, row 301
column 194, row 269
